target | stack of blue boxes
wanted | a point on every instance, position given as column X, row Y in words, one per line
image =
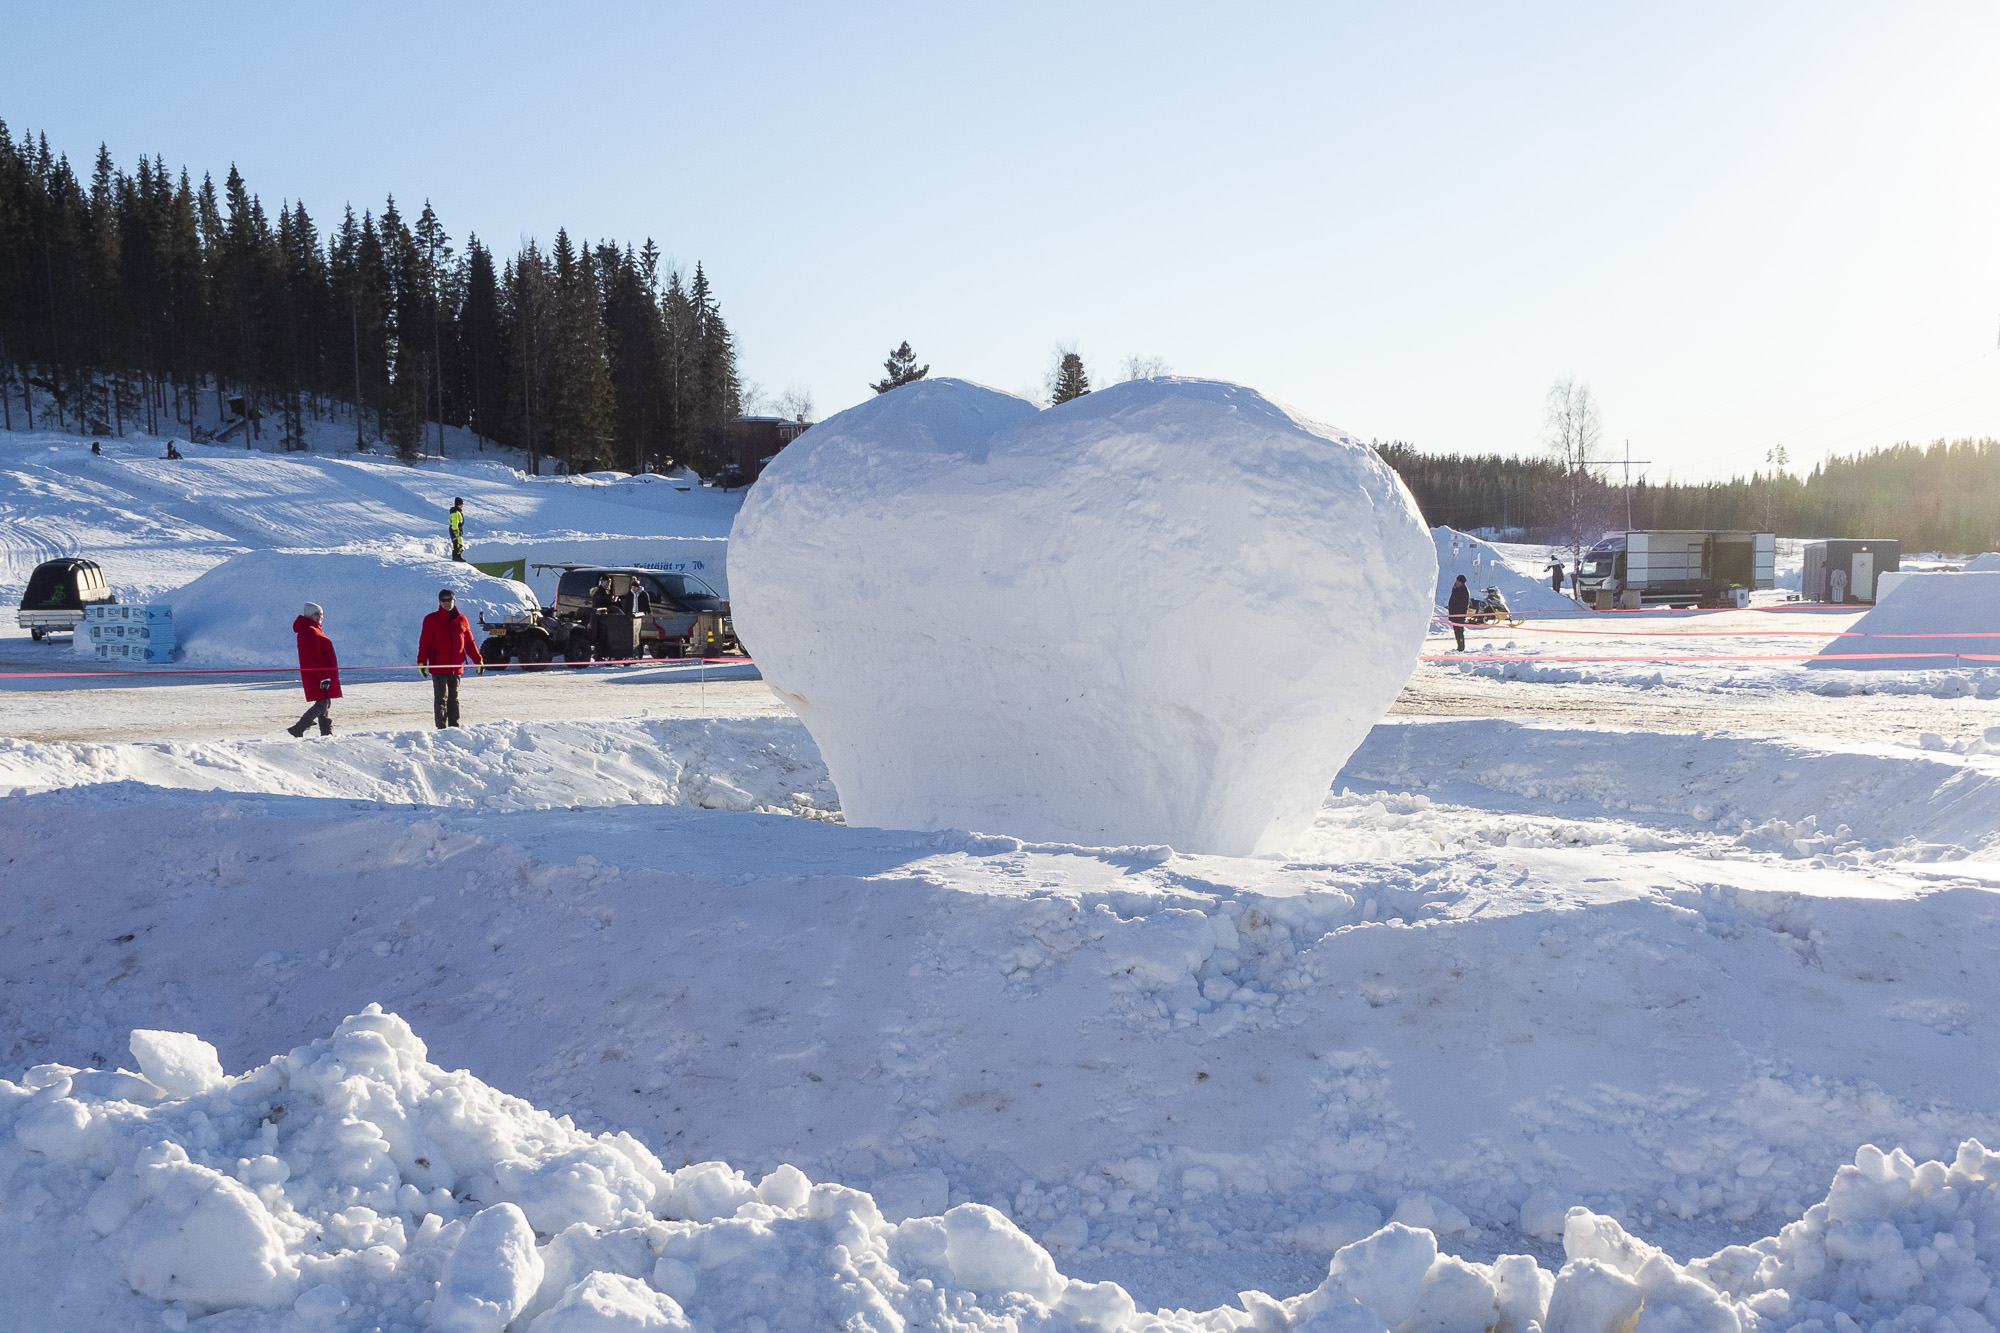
column 125, row 633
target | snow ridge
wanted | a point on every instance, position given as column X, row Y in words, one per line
column 351, row 1181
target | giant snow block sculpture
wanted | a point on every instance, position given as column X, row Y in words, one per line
column 1165, row 612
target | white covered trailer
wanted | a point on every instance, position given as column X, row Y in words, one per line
column 1686, row 568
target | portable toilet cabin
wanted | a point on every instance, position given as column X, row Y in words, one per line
column 1846, row 569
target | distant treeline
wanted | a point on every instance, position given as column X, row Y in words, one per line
column 1941, row 497
column 123, row 298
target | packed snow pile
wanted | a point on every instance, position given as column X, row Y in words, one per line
column 352, row 1182
column 240, row 613
column 1935, row 621
column 1484, row 564
column 1980, row 564
column 1161, row 613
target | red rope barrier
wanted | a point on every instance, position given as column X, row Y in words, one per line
column 414, row 666
column 1443, row 619
column 1729, row 657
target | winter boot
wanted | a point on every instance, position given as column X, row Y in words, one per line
column 295, row 732
column 326, row 725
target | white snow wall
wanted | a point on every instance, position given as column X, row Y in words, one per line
column 1163, row 613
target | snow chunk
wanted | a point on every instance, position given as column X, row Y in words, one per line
column 201, row 1238
column 492, row 1274
column 179, row 1062
column 1593, row 1297
column 1163, row 613
column 610, row 1303
column 992, row 1256
column 1386, row 1271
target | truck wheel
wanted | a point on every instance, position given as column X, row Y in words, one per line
column 38, row 633
column 494, row 652
column 535, row 653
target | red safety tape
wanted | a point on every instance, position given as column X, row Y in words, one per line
column 294, row 671
column 1731, row 657
column 1530, row 628
column 1525, row 626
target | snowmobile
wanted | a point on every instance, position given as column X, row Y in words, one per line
column 1490, row 609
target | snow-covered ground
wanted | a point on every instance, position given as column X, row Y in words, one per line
column 155, row 525
column 1672, row 942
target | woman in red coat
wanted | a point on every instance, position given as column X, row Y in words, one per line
column 319, row 671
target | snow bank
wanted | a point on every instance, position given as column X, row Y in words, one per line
column 1989, row 562
column 1454, row 785
column 764, row 764
column 352, row 1182
column 1526, row 587
column 240, row 613
column 1174, row 1072
column 1925, row 614
column 1161, row 613
column 1756, row 794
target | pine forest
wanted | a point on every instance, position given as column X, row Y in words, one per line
column 125, row 296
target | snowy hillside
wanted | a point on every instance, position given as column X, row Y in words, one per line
column 156, row 524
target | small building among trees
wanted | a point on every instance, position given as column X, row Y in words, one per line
column 753, row 442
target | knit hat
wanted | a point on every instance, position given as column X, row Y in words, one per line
column 313, row 611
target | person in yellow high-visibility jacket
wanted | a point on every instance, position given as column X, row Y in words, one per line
column 456, row 521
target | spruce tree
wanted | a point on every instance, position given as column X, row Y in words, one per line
column 902, row 369
column 402, row 410
column 482, row 358
column 1068, row 381
column 580, row 420
column 430, row 264
column 716, row 397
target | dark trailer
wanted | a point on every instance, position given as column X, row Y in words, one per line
column 57, row 592
column 1846, row 569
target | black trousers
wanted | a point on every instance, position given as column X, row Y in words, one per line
column 1458, row 632
column 444, row 698
column 320, row 712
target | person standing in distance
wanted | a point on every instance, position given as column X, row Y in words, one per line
column 442, row 651
column 1555, row 574
column 319, row 671
column 455, row 520
column 1455, row 608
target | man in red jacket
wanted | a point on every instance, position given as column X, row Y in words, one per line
column 442, row 651
column 319, row 671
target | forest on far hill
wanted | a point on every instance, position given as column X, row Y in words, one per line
column 1944, row 496
column 125, row 295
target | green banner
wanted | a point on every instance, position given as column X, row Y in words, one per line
column 516, row 570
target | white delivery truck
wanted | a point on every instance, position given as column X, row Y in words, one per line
column 1676, row 568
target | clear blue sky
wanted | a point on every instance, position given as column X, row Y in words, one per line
column 1743, row 225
